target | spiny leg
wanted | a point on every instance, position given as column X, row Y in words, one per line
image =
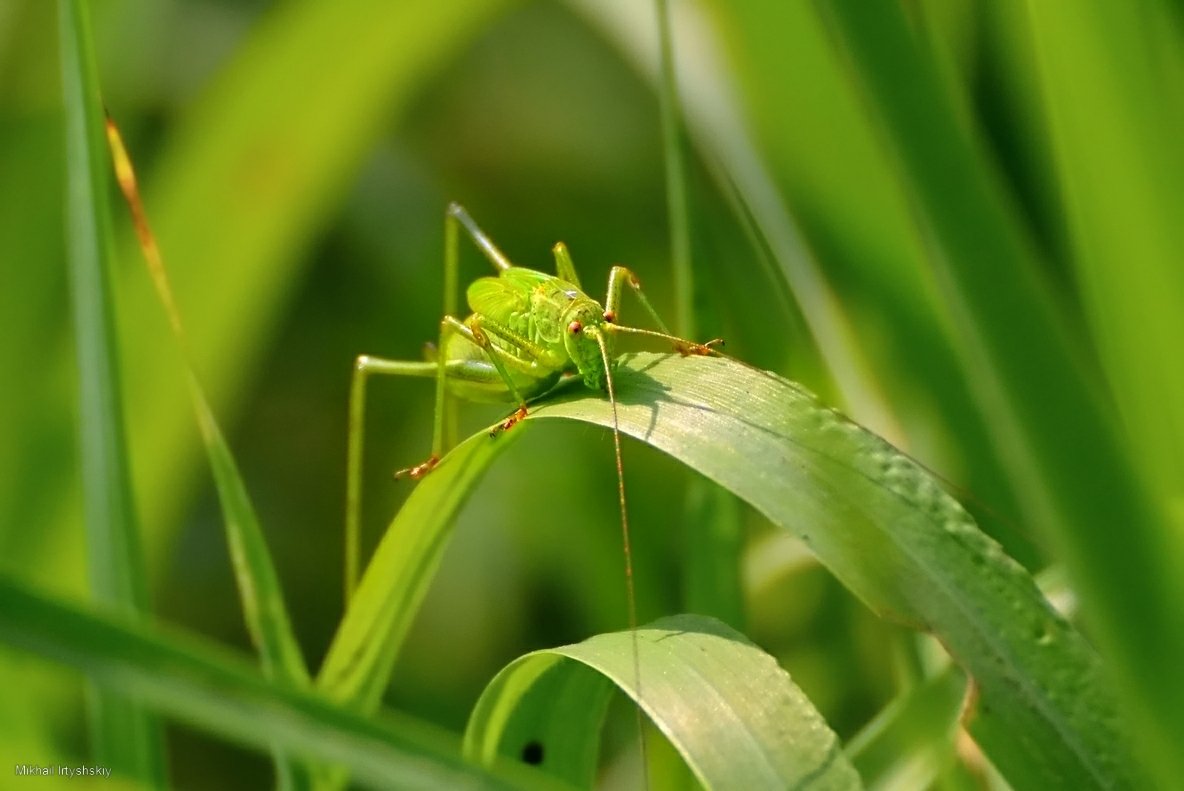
column 618, row 275
column 364, row 366
column 531, row 352
column 492, row 369
column 681, row 345
column 455, row 218
column 612, row 300
column 448, row 325
column 444, row 419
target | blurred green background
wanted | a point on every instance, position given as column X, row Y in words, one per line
column 296, row 160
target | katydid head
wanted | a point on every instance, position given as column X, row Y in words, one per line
column 586, row 343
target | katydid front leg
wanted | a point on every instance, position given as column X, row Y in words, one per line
column 619, row 275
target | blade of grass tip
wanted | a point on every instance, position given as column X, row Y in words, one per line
column 259, row 587
column 123, row 735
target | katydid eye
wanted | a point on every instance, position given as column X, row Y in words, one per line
column 609, row 316
column 574, row 327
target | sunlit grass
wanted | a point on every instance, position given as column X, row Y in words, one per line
column 981, row 248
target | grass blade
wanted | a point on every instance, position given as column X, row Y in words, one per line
column 1073, row 471
column 211, row 688
column 358, row 665
column 734, row 715
column 259, row 590
column 123, row 736
column 1118, row 159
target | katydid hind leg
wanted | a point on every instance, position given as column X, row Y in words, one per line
column 472, row 331
column 440, row 441
column 364, row 367
column 458, row 216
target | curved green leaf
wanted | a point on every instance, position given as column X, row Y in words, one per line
column 885, row 528
column 878, row 521
column 726, row 706
column 207, row 686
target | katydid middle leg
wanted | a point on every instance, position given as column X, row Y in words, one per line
column 442, row 369
column 364, row 366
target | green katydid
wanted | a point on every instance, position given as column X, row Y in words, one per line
column 527, row 330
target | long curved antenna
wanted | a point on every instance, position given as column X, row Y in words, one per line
column 629, row 591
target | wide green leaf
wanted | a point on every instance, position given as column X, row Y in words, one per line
column 887, row 530
column 734, row 715
column 203, row 684
column 876, row 519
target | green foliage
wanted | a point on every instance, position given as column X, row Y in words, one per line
column 973, row 206
column 200, row 684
